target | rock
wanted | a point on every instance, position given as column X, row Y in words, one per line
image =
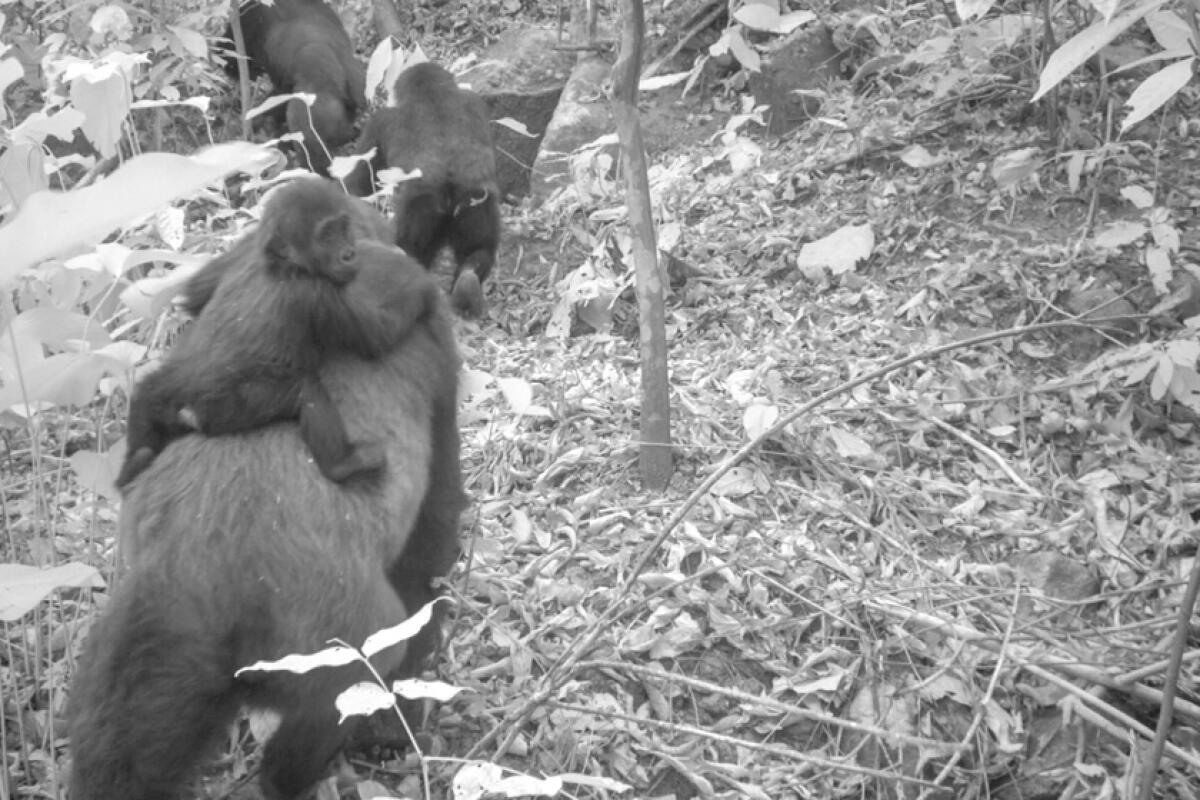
column 1103, row 303
column 582, row 116
column 1050, row 751
column 1183, row 302
column 520, row 77
column 1057, row 577
column 806, row 59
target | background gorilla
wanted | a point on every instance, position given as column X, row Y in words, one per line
column 443, row 131
column 238, row 550
column 302, row 46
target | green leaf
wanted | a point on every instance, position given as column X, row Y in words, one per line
column 407, row 629
column 1170, row 30
column 1085, row 44
column 1156, row 90
column 57, row 223
column 97, row 472
column 23, row 587
column 1185, row 387
column 970, row 9
column 300, row 664
column 363, row 699
column 66, row 379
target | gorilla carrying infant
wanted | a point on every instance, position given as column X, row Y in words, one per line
column 238, row 549
column 234, row 371
column 330, row 354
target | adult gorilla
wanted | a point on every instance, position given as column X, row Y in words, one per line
column 237, row 549
column 302, row 46
column 442, row 130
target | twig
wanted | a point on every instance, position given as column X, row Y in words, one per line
column 987, row 698
column 600, row 46
column 564, row 665
column 790, row 709
column 1153, row 669
column 709, row 17
column 1171, row 684
column 1070, row 666
column 988, row 452
column 1094, row 202
column 100, row 169
column 1111, row 713
column 1021, row 656
column 774, row 749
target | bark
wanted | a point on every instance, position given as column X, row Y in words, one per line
column 655, row 457
column 239, row 42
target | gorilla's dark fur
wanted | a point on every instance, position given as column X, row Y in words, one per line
column 365, row 223
column 302, row 47
column 327, row 289
column 442, row 130
column 237, row 549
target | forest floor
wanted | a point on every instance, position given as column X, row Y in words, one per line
column 959, row 579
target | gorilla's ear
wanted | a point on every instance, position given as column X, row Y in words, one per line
column 335, row 237
column 279, row 253
column 334, row 228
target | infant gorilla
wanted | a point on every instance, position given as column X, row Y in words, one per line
column 333, row 289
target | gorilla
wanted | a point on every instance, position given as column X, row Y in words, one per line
column 236, row 549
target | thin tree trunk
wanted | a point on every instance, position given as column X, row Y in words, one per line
column 239, row 43
column 655, row 454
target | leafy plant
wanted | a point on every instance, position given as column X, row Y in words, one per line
column 474, row 779
column 1174, row 33
column 1169, row 369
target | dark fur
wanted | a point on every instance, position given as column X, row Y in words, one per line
column 366, row 223
column 240, row 368
column 302, row 46
column 307, row 230
column 444, row 131
column 237, row 550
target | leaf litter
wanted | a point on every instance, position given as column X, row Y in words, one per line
column 960, row 579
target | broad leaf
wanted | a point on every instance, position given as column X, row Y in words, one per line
column 329, row 657
column 387, row 637
column 1156, row 90
column 57, row 223
column 362, row 699
column 1085, row 44
column 23, row 587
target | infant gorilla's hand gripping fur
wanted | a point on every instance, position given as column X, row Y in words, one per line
column 324, row 294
